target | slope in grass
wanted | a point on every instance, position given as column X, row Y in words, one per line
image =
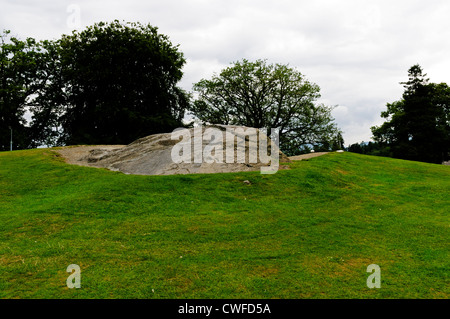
column 307, row 232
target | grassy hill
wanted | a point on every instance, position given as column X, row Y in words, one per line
column 307, row 232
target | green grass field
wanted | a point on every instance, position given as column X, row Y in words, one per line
column 307, row 232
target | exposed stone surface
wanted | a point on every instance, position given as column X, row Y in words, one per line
column 152, row 155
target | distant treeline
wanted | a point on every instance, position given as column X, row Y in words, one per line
column 370, row 148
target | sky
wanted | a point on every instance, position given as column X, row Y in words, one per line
column 357, row 51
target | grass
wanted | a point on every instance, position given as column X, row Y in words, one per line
column 307, row 232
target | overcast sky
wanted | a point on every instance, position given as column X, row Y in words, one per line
column 357, row 51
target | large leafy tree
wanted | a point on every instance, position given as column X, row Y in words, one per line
column 417, row 127
column 50, row 103
column 262, row 95
column 20, row 79
column 110, row 83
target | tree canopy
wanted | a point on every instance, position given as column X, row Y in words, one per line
column 262, row 95
column 417, row 127
column 113, row 84
column 108, row 84
column 20, row 74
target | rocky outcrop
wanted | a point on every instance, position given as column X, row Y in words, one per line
column 153, row 155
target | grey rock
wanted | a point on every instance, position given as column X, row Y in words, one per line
column 152, row 155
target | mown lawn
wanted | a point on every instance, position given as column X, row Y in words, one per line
column 307, row 232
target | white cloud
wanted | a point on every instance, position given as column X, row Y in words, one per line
column 356, row 51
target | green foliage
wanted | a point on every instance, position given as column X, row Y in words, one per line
column 338, row 142
column 262, row 95
column 112, row 83
column 370, row 148
column 307, row 232
column 418, row 126
column 335, row 143
column 20, row 79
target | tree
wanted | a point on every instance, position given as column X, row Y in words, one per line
column 338, row 143
column 262, row 95
column 20, row 79
column 49, row 105
column 370, row 148
column 356, row 148
column 417, row 127
column 111, row 83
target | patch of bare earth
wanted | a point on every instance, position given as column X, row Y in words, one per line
column 306, row 156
